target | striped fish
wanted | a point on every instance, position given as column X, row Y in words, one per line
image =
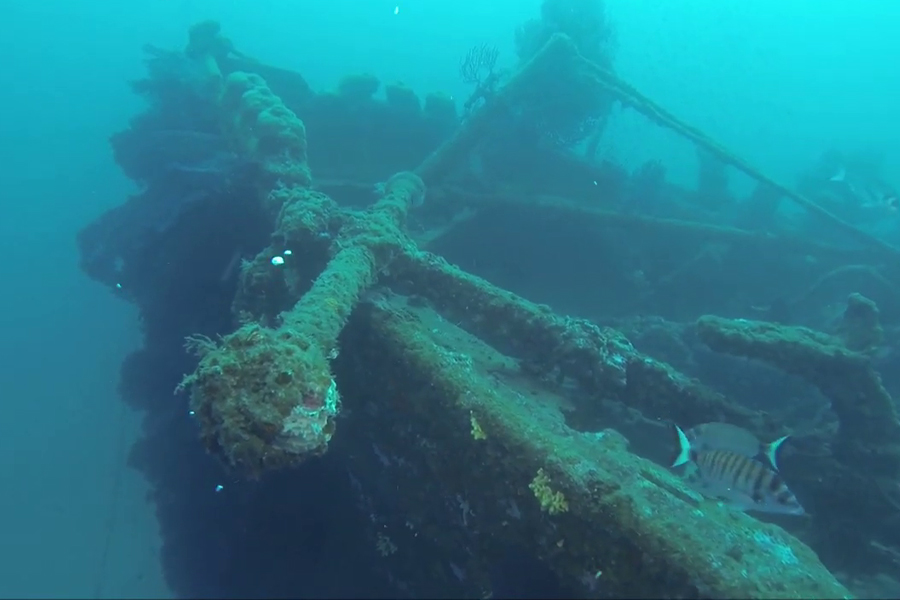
column 742, row 482
column 724, row 436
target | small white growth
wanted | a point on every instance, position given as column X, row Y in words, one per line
column 382, row 457
column 458, row 572
column 354, row 482
column 466, row 509
column 277, row 261
column 427, row 444
column 589, row 580
column 385, row 545
column 512, row 509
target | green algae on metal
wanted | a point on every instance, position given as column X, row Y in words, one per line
column 627, row 518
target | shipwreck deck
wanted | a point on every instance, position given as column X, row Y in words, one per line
column 496, row 465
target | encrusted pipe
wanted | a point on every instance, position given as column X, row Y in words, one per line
column 265, row 398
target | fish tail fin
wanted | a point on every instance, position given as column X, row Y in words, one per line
column 840, row 176
column 771, row 451
column 684, row 448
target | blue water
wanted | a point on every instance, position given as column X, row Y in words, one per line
column 778, row 82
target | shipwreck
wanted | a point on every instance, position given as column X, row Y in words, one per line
column 373, row 315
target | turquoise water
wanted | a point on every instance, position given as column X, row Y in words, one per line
column 779, row 82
